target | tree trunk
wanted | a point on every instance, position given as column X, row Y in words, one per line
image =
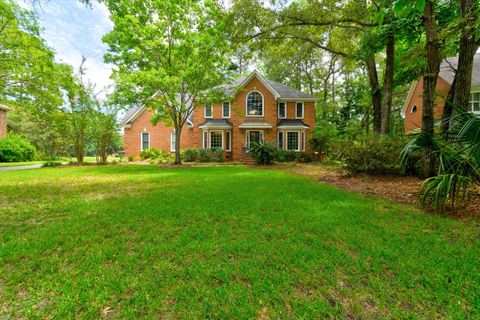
column 459, row 94
column 178, row 133
column 388, row 84
column 430, row 79
column 375, row 94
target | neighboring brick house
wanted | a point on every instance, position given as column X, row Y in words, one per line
column 414, row 103
column 259, row 109
column 3, row 120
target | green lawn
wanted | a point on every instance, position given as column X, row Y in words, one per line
column 223, row 243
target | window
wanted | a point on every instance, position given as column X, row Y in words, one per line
column 303, row 140
column 226, row 110
column 145, row 140
column 475, row 102
column 254, row 136
column 299, row 110
column 254, row 104
column 208, row 111
column 293, row 140
column 228, row 140
column 414, row 109
column 282, row 110
column 173, row 141
column 280, row 139
column 216, row 138
column 205, row 139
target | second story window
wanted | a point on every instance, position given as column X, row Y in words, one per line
column 282, row 110
column 254, row 104
column 475, row 102
column 226, row 110
column 299, row 110
column 208, row 111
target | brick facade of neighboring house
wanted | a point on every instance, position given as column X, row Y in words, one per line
column 252, row 114
column 3, row 120
column 414, row 104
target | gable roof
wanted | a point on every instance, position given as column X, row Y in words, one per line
column 447, row 72
column 279, row 91
column 449, row 67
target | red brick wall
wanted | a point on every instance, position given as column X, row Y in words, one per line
column 192, row 137
column 3, row 123
column 159, row 135
column 413, row 121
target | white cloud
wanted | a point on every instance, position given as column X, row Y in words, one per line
column 72, row 30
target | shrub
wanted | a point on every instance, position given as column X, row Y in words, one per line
column 379, row 156
column 14, row 148
column 204, row 155
column 263, row 152
column 165, row 157
column 189, row 155
column 285, row 155
column 151, row 153
column 303, row 157
column 218, row 155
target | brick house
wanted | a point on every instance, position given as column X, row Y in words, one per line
column 3, row 120
column 413, row 104
column 258, row 109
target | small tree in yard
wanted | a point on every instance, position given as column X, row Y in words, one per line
column 167, row 53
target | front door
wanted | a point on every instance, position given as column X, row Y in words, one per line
column 254, row 136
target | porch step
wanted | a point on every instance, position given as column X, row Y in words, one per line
column 249, row 160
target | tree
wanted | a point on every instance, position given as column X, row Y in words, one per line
column 167, row 54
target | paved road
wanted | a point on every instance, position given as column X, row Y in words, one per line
column 34, row 166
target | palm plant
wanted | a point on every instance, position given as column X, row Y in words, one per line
column 458, row 161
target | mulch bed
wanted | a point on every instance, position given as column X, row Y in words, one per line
column 398, row 189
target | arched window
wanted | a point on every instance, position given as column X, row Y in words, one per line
column 414, row 109
column 254, row 104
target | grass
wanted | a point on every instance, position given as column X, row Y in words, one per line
column 86, row 160
column 223, row 243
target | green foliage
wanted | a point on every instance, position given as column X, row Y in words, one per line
column 303, row 157
column 282, row 155
column 150, row 153
column 189, row 155
column 263, row 152
column 322, row 135
column 372, row 156
column 164, row 158
column 14, row 148
column 219, row 155
column 204, row 155
column 457, row 159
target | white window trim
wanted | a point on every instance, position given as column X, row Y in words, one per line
column 229, row 110
column 172, row 146
column 303, row 110
column 411, row 108
column 470, row 102
column 247, row 134
column 246, row 105
column 210, row 138
column 205, row 111
column 141, row 140
column 228, row 142
column 205, row 141
column 299, row 140
column 283, row 139
column 278, row 112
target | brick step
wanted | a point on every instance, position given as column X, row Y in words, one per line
column 249, row 160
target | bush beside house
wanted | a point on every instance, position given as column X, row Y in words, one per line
column 14, row 148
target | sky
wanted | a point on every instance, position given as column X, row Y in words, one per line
column 72, row 30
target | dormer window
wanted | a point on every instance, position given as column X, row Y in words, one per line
column 254, row 104
column 208, row 111
column 282, row 110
